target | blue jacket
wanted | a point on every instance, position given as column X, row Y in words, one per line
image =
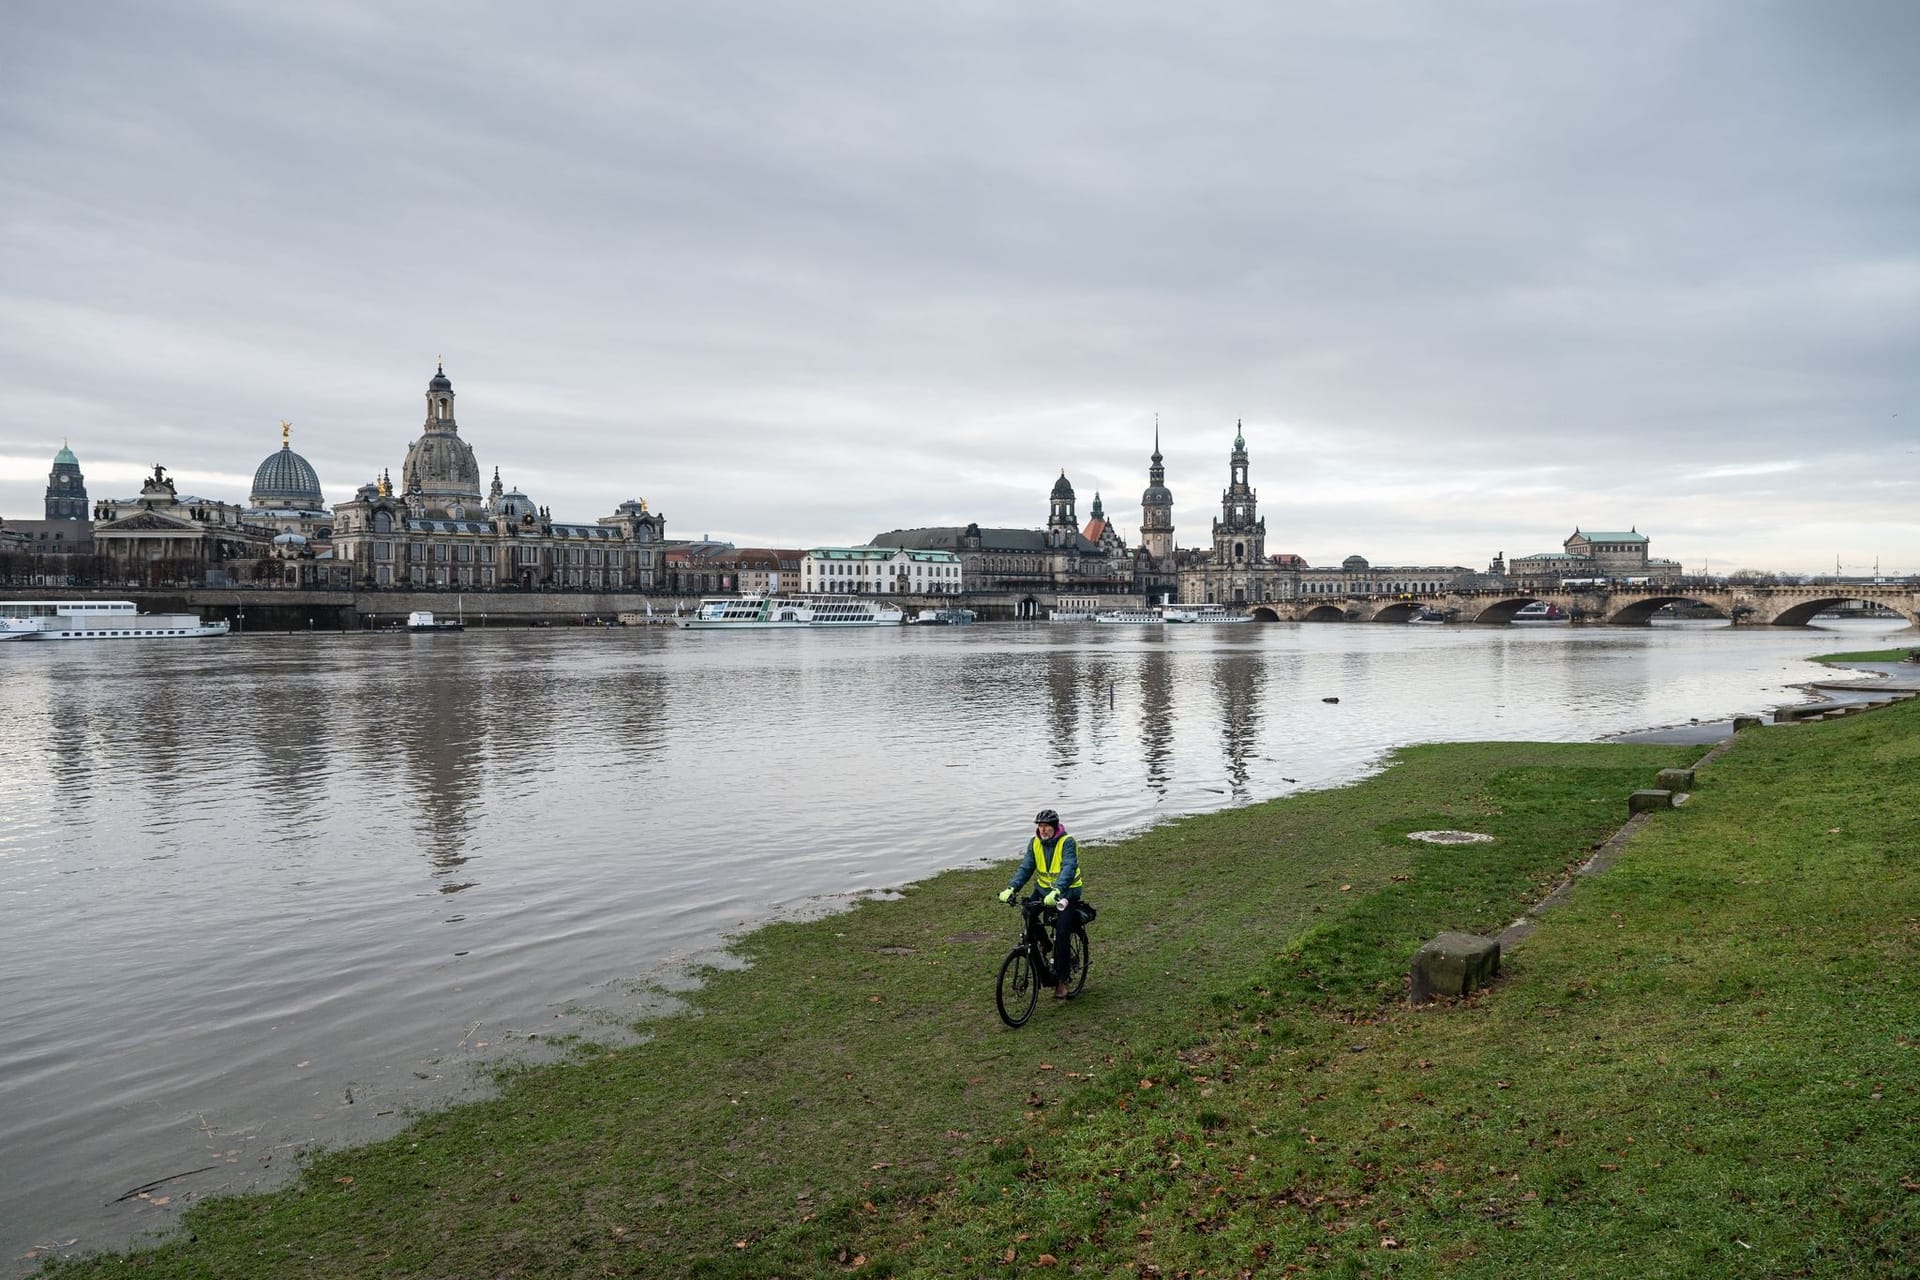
column 1068, row 879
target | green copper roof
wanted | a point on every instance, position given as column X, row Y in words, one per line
column 65, row 456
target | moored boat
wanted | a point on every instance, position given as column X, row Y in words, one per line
column 1541, row 613
column 423, row 620
column 945, row 617
column 97, row 620
column 763, row 612
column 1427, row 617
column 1130, row 617
column 1202, row 613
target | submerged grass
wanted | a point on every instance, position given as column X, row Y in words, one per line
column 1702, row 1065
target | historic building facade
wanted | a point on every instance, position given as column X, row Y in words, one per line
column 1587, row 556
column 1236, row 570
column 881, row 570
column 441, row 531
column 1355, row 577
column 165, row 538
column 1059, row 557
column 64, row 532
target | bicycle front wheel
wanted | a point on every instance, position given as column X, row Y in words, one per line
column 1018, row 989
column 1080, row 959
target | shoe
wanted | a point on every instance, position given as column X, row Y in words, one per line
column 1060, row 992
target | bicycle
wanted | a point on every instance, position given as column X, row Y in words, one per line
column 1029, row 966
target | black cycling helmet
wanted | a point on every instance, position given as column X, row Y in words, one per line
column 1048, row 816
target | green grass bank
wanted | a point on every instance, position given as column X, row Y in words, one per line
column 1702, row 1064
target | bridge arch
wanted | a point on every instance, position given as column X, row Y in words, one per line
column 1500, row 612
column 1801, row 612
column 1263, row 613
column 1640, row 612
column 1324, row 613
column 1397, row 611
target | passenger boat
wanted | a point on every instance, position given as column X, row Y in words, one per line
column 1427, row 617
column 423, row 620
column 1202, row 613
column 1074, row 609
column 1541, row 613
column 96, row 620
column 761, row 612
column 1130, row 617
column 945, row 617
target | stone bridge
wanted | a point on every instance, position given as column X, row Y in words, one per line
column 1791, row 606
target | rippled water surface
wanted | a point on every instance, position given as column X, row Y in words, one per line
column 266, row 891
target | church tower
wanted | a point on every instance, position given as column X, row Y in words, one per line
column 440, row 472
column 1062, row 528
column 66, row 488
column 1156, row 507
column 1239, row 535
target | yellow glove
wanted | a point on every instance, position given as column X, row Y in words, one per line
column 1052, row 899
column 1006, row 895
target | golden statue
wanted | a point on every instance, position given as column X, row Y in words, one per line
column 286, row 429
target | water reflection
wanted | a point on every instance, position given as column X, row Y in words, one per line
column 1237, row 681
column 1064, row 686
column 1156, row 718
column 442, row 742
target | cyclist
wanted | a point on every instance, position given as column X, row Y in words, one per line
column 1052, row 861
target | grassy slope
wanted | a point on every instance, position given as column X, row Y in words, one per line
column 1705, row 1064
column 1867, row 655
column 1678, row 1077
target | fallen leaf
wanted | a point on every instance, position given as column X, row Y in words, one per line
column 739, row 1244
column 1046, row 1066
column 1045, row 1260
column 1008, row 1256
column 1345, row 887
column 345, row 1182
column 162, row 1200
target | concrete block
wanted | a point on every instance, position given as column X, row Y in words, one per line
column 1745, row 722
column 1674, row 779
column 1453, row 964
column 1648, row 799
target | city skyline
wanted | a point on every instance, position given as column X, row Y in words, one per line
column 1469, row 282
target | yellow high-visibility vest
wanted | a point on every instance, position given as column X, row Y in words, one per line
column 1045, row 871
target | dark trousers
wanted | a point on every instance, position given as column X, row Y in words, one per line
column 1063, row 939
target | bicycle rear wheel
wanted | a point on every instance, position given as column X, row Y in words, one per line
column 1080, row 960
column 1018, row 989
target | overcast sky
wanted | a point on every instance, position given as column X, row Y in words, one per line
column 1472, row 274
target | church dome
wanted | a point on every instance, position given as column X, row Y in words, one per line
column 516, row 505
column 440, row 381
column 286, row 479
column 1062, row 489
column 441, row 466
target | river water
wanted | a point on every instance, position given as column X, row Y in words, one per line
column 270, row 891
